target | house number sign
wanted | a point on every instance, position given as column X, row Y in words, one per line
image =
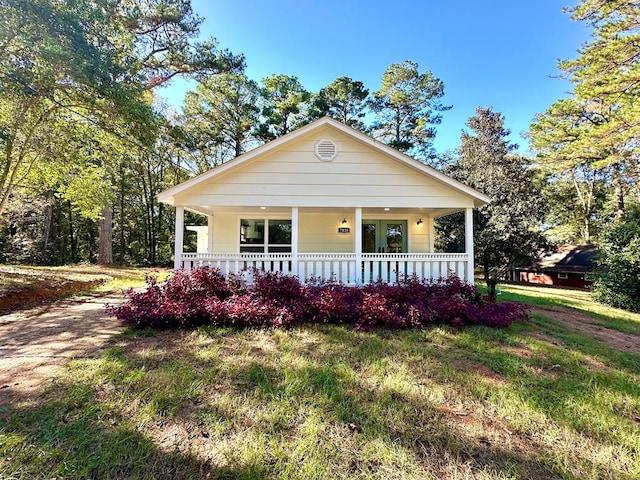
column 344, row 230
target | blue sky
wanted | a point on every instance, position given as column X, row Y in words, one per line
column 490, row 53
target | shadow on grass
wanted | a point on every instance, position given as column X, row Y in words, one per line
column 23, row 287
column 583, row 385
column 78, row 438
column 325, row 402
column 406, row 426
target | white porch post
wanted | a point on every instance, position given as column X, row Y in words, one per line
column 358, row 246
column 209, row 233
column 179, row 238
column 432, row 234
column 294, row 240
column 468, row 242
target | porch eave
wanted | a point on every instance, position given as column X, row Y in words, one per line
column 428, row 212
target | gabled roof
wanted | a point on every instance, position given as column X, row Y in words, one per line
column 167, row 196
column 568, row 258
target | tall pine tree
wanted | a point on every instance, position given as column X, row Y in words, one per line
column 600, row 124
column 407, row 107
column 506, row 231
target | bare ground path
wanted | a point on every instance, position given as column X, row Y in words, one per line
column 33, row 343
column 625, row 342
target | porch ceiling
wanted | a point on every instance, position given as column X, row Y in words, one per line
column 366, row 212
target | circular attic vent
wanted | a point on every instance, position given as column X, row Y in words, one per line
column 326, row 150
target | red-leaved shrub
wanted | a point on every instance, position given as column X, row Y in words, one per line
column 206, row 296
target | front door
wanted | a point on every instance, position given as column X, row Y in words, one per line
column 384, row 236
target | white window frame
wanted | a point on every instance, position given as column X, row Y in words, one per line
column 563, row 276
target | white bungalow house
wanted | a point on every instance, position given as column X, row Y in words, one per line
column 324, row 201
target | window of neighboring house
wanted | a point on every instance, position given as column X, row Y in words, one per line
column 562, row 276
column 265, row 236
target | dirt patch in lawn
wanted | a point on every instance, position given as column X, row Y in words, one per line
column 42, row 292
column 481, row 370
column 591, row 326
column 24, row 287
column 33, row 343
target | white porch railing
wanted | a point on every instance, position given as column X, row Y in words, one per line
column 385, row 267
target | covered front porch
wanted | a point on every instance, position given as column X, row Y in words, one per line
column 326, row 202
column 352, row 245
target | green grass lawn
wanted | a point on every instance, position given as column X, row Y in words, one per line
column 579, row 300
column 536, row 401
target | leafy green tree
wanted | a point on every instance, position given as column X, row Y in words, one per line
column 220, row 115
column 600, row 123
column 78, row 168
column 618, row 276
column 608, row 68
column 506, row 231
column 564, row 138
column 165, row 34
column 576, row 201
column 54, row 62
column 285, row 104
column 345, row 100
column 142, row 226
column 577, row 176
column 407, row 107
column 51, row 48
column 90, row 64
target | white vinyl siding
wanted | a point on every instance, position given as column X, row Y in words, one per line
column 319, row 233
column 418, row 235
column 294, row 176
column 225, row 233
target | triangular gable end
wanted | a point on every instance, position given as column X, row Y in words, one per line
column 325, row 163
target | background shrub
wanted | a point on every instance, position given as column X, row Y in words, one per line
column 617, row 278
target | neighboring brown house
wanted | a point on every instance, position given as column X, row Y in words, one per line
column 570, row 266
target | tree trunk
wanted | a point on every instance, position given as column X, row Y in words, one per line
column 105, row 237
column 147, row 213
column 237, row 146
column 618, row 190
column 586, row 201
column 46, row 228
column 122, row 241
column 586, row 235
column 489, row 280
column 72, row 240
column 150, row 215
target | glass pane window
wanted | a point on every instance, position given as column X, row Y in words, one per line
column 384, row 236
column 252, row 235
column 394, row 238
column 279, row 232
column 369, row 237
column 251, row 248
column 255, row 238
column 251, row 232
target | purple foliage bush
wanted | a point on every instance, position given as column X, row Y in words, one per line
column 206, row 296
